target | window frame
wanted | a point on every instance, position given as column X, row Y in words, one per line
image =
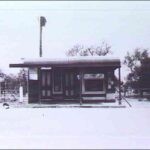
column 92, row 92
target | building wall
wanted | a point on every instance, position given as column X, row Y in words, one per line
column 33, row 85
column 43, row 83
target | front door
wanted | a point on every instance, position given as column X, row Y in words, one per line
column 71, row 85
column 46, row 88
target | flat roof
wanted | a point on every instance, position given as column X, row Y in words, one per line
column 80, row 61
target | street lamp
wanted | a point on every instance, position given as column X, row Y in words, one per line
column 42, row 23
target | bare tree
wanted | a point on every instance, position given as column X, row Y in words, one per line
column 79, row 50
column 75, row 50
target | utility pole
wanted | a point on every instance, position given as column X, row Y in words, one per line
column 40, row 41
column 42, row 23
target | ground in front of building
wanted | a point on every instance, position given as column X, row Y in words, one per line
column 76, row 127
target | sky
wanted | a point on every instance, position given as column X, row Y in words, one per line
column 125, row 25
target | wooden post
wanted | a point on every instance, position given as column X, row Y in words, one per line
column 80, row 86
column 28, row 87
column 0, row 91
column 119, row 86
column 5, row 89
column 21, row 93
column 39, row 83
column 42, row 23
column 40, row 40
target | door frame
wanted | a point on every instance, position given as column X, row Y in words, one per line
column 72, row 86
column 47, row 87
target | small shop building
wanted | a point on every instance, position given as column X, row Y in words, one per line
column 78, row 79
column 144, row 78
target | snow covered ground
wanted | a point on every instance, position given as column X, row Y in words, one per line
column 67, row 128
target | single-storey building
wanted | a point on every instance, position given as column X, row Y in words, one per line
column 144, row 76
column 79, row 79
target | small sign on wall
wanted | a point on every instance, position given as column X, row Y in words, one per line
column 33, row 73
column 2, row 79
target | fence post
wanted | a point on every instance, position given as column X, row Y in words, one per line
column 20, row 94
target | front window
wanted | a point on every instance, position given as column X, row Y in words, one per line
column 93, row 83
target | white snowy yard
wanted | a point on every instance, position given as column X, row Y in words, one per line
column 76, row 127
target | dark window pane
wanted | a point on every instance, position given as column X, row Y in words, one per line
column 57, row 81
column 48, row 79
column 48, row 93
column 43, row 78
column 93, row 85
column 43, row 93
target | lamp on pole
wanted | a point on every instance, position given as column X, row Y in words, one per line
column 42, row 23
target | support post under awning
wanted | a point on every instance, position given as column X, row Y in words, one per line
column 81, row 78
column 119, row 71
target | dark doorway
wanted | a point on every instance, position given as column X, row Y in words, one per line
column 71, row 84
column 46, row 85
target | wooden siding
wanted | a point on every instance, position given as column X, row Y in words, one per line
column 70, row 84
